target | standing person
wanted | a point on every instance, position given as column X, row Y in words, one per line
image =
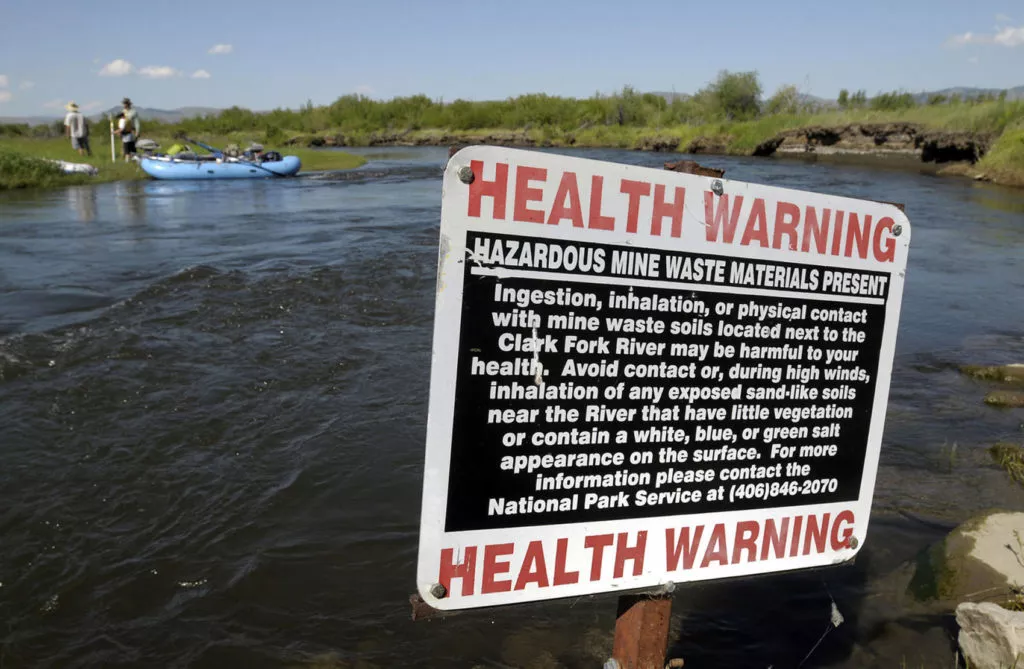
column 127, row 137
column 129, row 129
column 77, row 129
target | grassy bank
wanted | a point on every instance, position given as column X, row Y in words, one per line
column 1004, row 163
column 728, row 116
column 21, row 167
column 736, row 136
column 996, row 124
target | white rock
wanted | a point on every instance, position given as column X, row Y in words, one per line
column 991, row 637
column 982, row 559
column 999, row 543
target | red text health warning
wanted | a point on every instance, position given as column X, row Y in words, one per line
column 642, row 376
column 773, row 224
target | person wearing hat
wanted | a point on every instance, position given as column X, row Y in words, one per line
column 77, row 129
column 128, row 128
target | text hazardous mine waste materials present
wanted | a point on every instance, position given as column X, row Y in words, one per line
column 642, row 377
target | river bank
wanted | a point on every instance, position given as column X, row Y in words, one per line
column 22, row 162
column 978, row 155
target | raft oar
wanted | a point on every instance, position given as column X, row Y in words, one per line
column 216, row 152
column 220, row 154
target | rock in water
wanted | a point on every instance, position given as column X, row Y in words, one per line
column 991, row 637
column 981, row 559
column 1013, row 373
column 1005, row 398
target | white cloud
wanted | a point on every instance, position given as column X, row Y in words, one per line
column 200, row 74
column 25, row 85
column 5, row 96
column 365, row 89
column 159, row 72
column 92, row 106
column 221, row 49
column 1009, row 37
column 1003, row 19
column 960, row 40
column 117, row 68
column 973, row 60
column 4, row 81
column 54, row 104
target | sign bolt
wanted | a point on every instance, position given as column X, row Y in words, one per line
column 897, row 230
column 438, row 591
column 466, row 174
column 716, row 187
column 853, row 543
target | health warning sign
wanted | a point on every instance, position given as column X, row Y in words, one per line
column 642, row 377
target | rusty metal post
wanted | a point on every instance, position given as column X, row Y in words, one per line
column 693, row 167
column 641, row 632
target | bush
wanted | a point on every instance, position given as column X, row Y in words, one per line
column 19, row 171
column 785, row 101
column 893, row 101
column 847, row 101
column 735, row 96
column 15, row 130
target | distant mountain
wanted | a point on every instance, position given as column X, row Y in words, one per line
column 162, row 115
column 1016, row 93
column 146, row 114
column 29, row 120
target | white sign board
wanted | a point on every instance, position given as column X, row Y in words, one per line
column 642, row 377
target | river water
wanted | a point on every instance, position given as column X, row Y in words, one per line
column 213, row 400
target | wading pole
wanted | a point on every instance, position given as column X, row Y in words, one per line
column 113, row 157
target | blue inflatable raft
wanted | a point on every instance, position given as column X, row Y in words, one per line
column 163, row 167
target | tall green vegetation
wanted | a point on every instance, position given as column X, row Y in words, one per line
column 730, row 113
column 18, row 171
column 856, row 101
column 893, row 101
column 785, row 101
column 735, row 96
column 731, row 99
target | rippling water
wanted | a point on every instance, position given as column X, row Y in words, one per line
column 212, row 412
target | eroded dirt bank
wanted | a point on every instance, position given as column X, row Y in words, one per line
column 954, row 153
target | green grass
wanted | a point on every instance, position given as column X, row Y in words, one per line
column 1011, row 458
column 19, row 171
column 60, row 149
column 740, row 136
column 20, row 167
column 626, row 120
column 1004, row 162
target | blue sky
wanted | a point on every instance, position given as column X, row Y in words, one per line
column 272, row 53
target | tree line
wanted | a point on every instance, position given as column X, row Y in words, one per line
column 730, row 97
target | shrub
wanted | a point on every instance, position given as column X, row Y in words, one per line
column 19, row 171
